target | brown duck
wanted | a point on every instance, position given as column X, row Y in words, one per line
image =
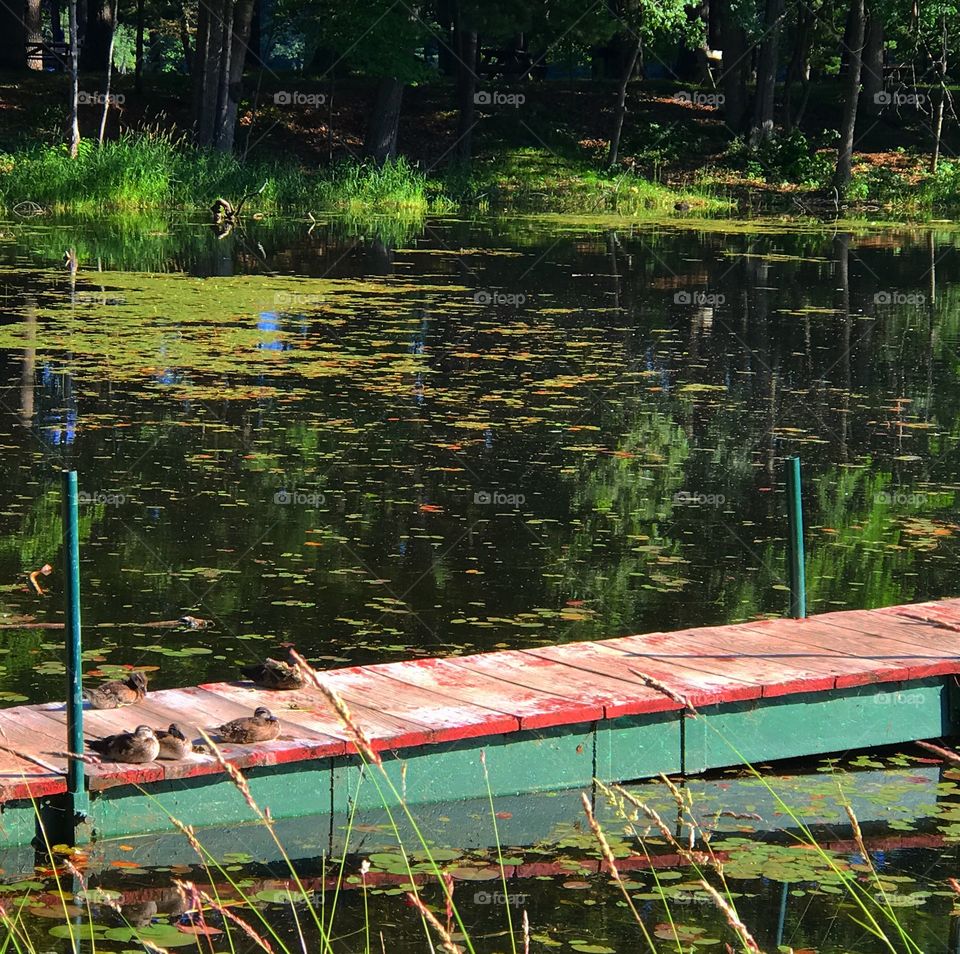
column 174, row 744
column 262, row 726
column 118, row 692
column 141, row 745
column 276, row 673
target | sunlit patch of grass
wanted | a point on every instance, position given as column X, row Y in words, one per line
column 153, row 170
column 539, row 180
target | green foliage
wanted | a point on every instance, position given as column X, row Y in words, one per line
column 154, row 170
column 943, row 188
column 124, row 48
column 788, row 158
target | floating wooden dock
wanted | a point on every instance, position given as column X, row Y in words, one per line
column 547, row 719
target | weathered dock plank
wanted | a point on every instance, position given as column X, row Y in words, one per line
column 545, row 717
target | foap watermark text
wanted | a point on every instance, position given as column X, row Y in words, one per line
column 498, row 498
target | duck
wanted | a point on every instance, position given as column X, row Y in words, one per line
column 118, row 692
column 276, row 673
column 138, row 746
column 195, row 622
column 681, row 206
column 262, row 726
column 174, row 744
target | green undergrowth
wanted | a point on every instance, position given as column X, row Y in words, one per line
column 536, row 179
column 156, row 171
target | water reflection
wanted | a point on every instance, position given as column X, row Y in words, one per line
column 508, row 433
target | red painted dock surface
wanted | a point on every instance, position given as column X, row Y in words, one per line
column 420, row 702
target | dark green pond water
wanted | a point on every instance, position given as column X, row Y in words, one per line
column 470, row 436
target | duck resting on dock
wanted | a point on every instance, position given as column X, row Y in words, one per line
column 174, row 745
column 118, row 692
column 262, row 726
column 138, row 746
column 276, row 673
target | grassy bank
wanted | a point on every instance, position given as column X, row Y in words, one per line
column 155, row 171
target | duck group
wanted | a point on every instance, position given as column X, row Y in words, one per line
column 146, row 744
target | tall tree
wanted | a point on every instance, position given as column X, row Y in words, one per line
column 621, row 111
column 223, row 31
column 848, row 125
column 33, row 29
column 644, row 22
column 466, row 42
column 380, row 142
column 382, row 39
column 95, row 50
column 73, row 119
column 767, row 59
column 871, row 69
column 798, row 70
column 107, row 92
column 736, row 66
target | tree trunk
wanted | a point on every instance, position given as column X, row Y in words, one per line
column 204, row 98
column 34, row 32
column 223, row 29
column 763, row 103
column 254, row 59
column 73, row 124
column 799, row 69
column 941, row 68
column 185, row 40
column 233, row 88
column 621, row 113
column 841, row 177
column 97, row 37
column 466, row 90
column 106, row 95
column 733, row 80
column 381, row 140
column 871, row 70
column 138, row 68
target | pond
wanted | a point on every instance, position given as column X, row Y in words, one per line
column 388, row 442
column 475, row 436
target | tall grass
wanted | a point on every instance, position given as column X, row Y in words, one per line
column 153, row 169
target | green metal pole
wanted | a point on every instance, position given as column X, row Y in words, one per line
column 76, row 782
column 795, row 556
